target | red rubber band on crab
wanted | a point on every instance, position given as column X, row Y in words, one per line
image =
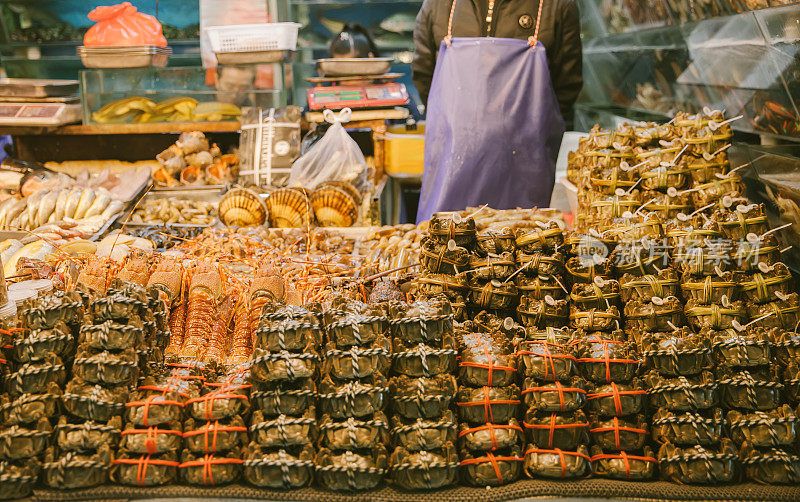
column 616, row 394
column 494, row 460
column 616, row 428
column 143, row 462
column 150, row 441
column 561, row 455
column 214, row 428
column 207, row 462
column 558, row 388
column 491, row 428
column 625, row 459
column 488, row 414
column 552, row 426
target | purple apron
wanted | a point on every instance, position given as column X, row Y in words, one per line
column 493, row 126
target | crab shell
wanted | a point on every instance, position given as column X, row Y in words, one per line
column 688, row 428
column 349, row 470
column 421, row 434
column 281, row 469
column 145, row 469
column 289, row 398
column 241, row 207
column 288, row 208
column 87, row 435
column 334, row 206
column 560, row 465
column 424, row 470
column 74, row 470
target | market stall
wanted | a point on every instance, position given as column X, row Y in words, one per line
column 220, row 313
column 200, row 350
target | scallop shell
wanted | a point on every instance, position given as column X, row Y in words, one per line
column 347, row 187
column 241, row 207
column 288, row 208
column 334, row 207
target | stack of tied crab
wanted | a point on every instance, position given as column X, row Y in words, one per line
column 120, row 331
column 423, row 426
column 214, row 430
column 353, row 429
column 638, row 187
column 283, row 425
column 150, row 443
column 555, row 423
column 491, row 439
column 35, row 374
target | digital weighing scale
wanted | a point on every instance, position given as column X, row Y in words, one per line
column 36, row 102
column 351, row 92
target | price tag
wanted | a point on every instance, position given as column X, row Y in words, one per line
column 683, row 217
column 707, row 111
column 599, row 281
column 713, row 125
column 763, row 267
column 672, row 192
column 752, row 238
column 508, row 323
column 619, row 192
column 496, row 283
column 457, row 218
column 657, row 301
column 625, row 166
column 451, row 245
column 550, row 301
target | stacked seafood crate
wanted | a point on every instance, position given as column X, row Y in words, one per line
column 37, row 350
column 423, row 429
column 283, row 424
column 352, row 396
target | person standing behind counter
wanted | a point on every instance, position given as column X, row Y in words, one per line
column 499, row 78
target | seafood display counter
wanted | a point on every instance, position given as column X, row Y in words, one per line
column 246, row 343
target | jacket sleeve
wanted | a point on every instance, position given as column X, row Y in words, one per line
column 568, row 74
column 424, row 51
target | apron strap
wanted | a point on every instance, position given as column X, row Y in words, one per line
column 531, row 40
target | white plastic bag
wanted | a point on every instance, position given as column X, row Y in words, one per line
column 336, row 157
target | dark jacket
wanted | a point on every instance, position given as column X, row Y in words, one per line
column 559, row 32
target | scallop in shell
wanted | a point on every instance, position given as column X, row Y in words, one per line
column 334, row 206
column 242, row 208
column 288, row 208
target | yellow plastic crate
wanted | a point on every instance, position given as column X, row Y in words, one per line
column 404, row 151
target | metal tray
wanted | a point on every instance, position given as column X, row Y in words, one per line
column 37, row 88
column 252, row 57
column 344, row 67
column 124, row 57
column 211, row 193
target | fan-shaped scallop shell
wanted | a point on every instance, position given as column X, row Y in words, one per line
column 344, row 185
column 241, row 207
column 334, row 206
column 288, row 208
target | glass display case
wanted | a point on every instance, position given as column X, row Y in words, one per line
column 147, row 95
column 38, row 38
column 747, row 64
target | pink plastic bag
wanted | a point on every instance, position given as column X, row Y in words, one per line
column 122, row 24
